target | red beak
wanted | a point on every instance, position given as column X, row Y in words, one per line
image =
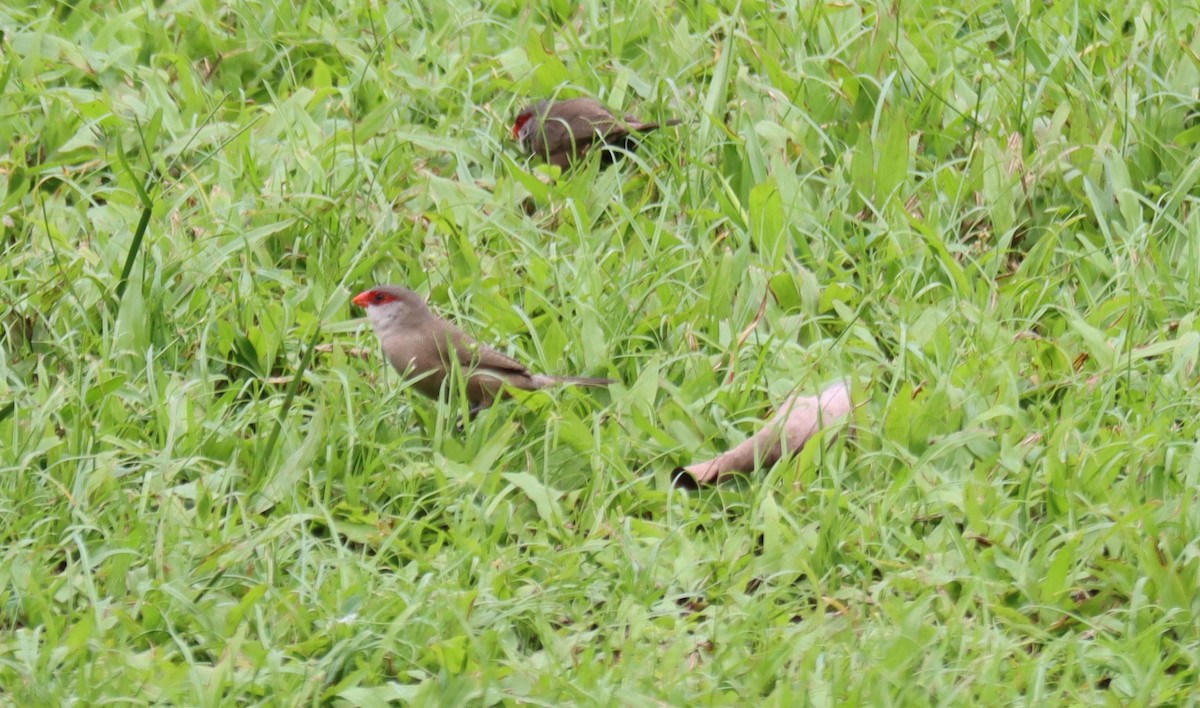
column 362, row 298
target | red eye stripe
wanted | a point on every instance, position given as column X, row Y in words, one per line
column 521, row 120
column 367, row 298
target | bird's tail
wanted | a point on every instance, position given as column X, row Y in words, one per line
column 542, row 381
column 638, row 127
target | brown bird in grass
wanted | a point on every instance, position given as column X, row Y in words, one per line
column 424, row 348
column 562, row 132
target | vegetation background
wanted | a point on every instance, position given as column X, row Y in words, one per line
column 984, row 214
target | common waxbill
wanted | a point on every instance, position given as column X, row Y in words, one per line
column 561, row 132
column 424, row 347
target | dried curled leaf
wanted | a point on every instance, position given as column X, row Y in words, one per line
column 799, row 419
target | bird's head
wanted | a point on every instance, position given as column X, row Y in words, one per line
column 391, row 305
column 526, row 121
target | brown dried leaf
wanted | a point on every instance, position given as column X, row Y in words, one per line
column 798, row 419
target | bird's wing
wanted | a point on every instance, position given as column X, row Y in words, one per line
column 596, row 128
column 472, row 354
column 559, row 136
column 633, row 125
column 577, row 123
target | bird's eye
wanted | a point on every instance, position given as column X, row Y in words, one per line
column 378, row 297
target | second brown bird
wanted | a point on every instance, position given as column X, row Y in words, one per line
column 561, row 132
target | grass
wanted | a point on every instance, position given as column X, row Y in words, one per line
column 984, row 215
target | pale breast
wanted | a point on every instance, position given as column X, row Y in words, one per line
column 417, row 359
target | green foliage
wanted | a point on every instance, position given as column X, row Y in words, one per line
column 984, row 215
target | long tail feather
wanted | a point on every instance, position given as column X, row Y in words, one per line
column 542, row 380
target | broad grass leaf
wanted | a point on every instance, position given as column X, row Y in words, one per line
column 101, row 390
column 549, row 72
column 1000, row 189
column 389, row 694
column 539, row 190
column 1054, row 585
column 286, row 477
column 718, row 86
column 238, row 612
column 862, row 169
column 1101, row 204
column 1188, row 137
column 899, row 415
column 1094, row 340
column 891, row 168
column 767, row 228
column 773, row 134
column 783, row 287
column 1122, row 191
column 499, row 443
column 542, row 496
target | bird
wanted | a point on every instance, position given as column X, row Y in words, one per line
column 424, row 348
column 562, row 132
